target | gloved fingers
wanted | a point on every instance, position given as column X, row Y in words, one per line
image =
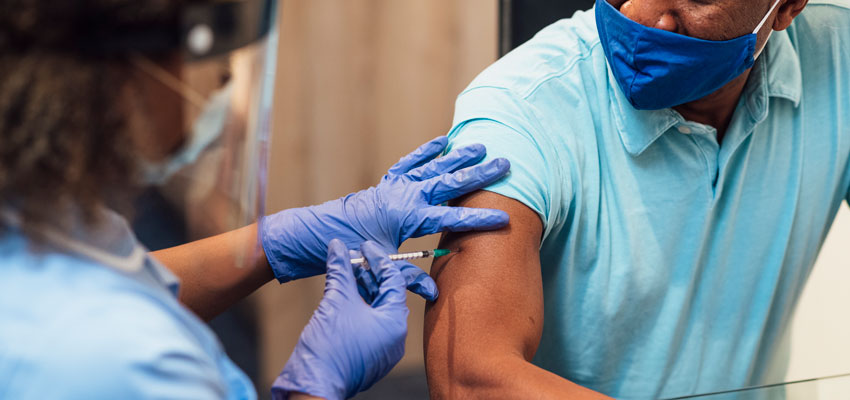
column 437, row 219
column 367, row 284
column 340, row 277
column 391, row 290
column 418, row 281
column 457, row 159
column 420, row 156
column 446, row 187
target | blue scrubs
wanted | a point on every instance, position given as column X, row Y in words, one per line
column 671, row 261
column 90, row 316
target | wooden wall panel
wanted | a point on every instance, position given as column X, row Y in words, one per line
column 360, row 84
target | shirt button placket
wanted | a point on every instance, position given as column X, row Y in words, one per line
column 709, row 149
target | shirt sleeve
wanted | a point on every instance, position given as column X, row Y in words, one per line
column 508, row 127
column 127, row 349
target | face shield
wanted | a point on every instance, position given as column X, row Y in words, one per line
column 216, row 99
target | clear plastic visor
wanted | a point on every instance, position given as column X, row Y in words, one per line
column 214, row 179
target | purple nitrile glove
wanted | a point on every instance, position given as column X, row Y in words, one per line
column 349, row 345
column 405, row 204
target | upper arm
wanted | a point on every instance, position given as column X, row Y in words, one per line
column 491, row 296
column 507, row 126
column 484, row 329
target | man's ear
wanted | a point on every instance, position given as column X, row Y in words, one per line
column 789, row 10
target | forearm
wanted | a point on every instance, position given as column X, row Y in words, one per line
column 219, row 271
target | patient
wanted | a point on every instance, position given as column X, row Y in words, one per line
column 653, row 251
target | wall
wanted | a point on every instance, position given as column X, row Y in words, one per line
column 361, row 83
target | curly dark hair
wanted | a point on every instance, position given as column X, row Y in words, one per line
column 64, row 138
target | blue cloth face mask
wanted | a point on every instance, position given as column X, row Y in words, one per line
column 659, row 69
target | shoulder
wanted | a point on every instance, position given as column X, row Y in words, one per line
column 831, row 3
column 547, row 89
column 824, row 17
column 560, row 52
column 107, row 341
column 821, row 37
column 122, row 347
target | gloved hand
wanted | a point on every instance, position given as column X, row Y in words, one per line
column 349, row 345
column 405, row 204
column 416, row 280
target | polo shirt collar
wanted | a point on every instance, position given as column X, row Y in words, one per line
column 782, row 78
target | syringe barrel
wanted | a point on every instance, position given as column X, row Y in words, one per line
column 410, row 256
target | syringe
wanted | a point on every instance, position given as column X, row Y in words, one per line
column 407, row 256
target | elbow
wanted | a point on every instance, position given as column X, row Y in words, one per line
column 474, row 375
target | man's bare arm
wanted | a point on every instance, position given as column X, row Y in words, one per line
column 485, row 327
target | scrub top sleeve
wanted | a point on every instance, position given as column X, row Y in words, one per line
column 503, row 123
column 127, row 349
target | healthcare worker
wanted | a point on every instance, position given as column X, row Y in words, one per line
column 95, row 97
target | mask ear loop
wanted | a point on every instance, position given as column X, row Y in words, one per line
column 766, row 16
column 169, row 80
column 761, row 25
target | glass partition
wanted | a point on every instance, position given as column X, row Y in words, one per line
column 832, row 387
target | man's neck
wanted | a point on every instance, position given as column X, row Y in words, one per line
column 716, row 109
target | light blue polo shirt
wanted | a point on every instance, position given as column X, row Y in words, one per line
column 671, row 264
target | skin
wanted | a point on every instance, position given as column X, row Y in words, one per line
column 476, row 348
column 211, row 281
column 483, row 331
column 157, row 131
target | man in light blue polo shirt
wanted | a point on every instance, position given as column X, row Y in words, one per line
column 673, row 179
